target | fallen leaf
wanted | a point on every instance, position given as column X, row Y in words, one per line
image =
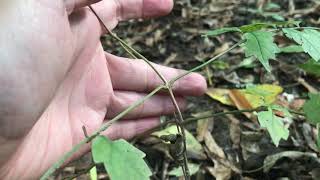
column 271, row 160
column 212, row 146
column 204, row 125
column 219, row 171
column 221, row 95
column 193, row 146
column 235, row 131
column 251, row 97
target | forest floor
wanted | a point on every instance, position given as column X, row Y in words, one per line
column 232, row 146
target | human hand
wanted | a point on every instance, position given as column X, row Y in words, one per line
column 67, row 81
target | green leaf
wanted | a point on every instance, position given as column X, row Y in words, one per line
column 274, row 125
column 193, row 168
column 309, row 39
column 312, row 108
column 222, row 31
column 311, row 67
column 260, row 45
column 93, row 173
column 120, row 159
column 292, row 49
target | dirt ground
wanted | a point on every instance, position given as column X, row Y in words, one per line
column 235, row 147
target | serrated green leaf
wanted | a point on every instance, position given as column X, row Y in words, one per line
column 93, row 173
column 260, row 45
column 312, row 108
column 274, row 125
column 120, row 159
column 292, row 49
column 311, row 67
column 309, row 39
column 193, row 168
column 222, row 31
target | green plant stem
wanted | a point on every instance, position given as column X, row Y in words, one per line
column 128, row 51
column 77, row 147
column 207, row 62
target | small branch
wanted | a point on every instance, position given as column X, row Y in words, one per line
column 179, row 124
column 77, row 147
column 128, row 48
column 207, row 62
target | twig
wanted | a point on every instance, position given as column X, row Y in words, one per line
column 207, row 62
column 127, row 47
column 179, row 123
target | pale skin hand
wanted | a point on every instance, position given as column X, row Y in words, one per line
column 56, row 78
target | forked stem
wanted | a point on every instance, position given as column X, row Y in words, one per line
column 167, row 85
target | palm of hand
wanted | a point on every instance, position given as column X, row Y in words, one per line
column 92, row 85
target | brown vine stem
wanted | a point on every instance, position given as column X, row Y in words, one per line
column 179, row 124
column 167, row 85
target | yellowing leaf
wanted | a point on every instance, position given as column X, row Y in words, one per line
column 251, row 97
column 262, row 95
column 221, row 95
